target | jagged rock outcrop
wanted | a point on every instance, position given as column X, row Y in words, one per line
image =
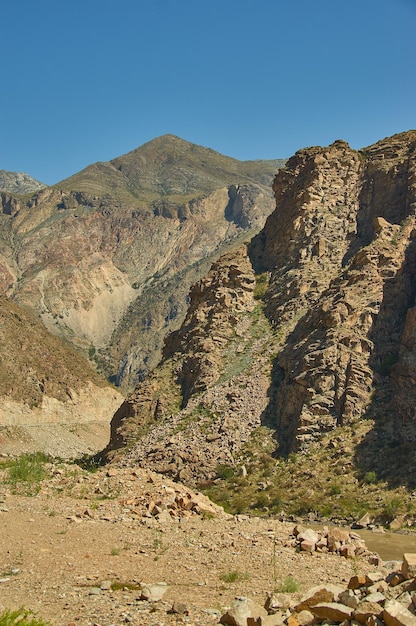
column 338, row 256
column 107, row 257
column 210, row 321
column 340, row 248
column 200, row 406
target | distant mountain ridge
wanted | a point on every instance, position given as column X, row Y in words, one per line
column 169, row 166
column 19, row 183
column 107, row 256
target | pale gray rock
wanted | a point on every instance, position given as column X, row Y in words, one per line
column 241, row 610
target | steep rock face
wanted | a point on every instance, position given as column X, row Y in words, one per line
column 107, row 257
column 306, row 238
column 210, row 321
column 335, row 267
column 338, row 259
column 340, row 250
column 199, row 407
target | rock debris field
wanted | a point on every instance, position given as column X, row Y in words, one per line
column 129, row 546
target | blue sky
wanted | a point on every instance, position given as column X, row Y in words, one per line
column 89, row 80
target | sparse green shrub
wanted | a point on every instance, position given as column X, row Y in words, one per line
column 225, row 472
column 238, row 505
column 276, row 503
column 262, row 282
column 370, row 478
column 261, row 501
column 234, row 576
column 335, row 489
column 28, row 468
column 22, row 616
column 288, row 585
column 392, row 506
column 326, row 510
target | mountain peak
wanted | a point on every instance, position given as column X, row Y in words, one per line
column 169, row 166
column 19, row 182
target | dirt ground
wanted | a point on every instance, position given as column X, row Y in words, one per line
column 77, row 551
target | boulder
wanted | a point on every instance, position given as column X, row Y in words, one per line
column 277, row 601
column 153, row 592
column 307, row 546
column 376, row 597
column 241, row 610
column 270, row 620
column 333, row 611
column 395, row 614
column 303, row 618
column 349, row 598
column 409, row 565
column 366, row 609
column 317, row 595
column 308, row 535
column 356, row 582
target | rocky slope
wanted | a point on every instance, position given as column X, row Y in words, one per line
column 92, row 548
column 50, row 397
column 106, row 257
column 18, row 182
column 327, row 363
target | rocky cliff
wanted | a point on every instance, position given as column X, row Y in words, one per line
column 340, row 249
column 106, row 258
column 209, row 392
column 313, row 336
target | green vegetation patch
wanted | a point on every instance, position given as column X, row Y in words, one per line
column 288, row 585
column 234, row 576
column 21, row 616
column 27, row 472
column 324, row 480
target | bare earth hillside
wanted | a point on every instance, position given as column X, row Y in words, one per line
column 51, row 399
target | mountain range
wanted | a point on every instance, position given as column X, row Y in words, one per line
column 266, row 345
column 107, row 257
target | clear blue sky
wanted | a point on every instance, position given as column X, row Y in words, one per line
column 89, row 80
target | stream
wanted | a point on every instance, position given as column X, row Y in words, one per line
column 390, row 546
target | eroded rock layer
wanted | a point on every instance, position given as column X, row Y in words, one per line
column 51, row 399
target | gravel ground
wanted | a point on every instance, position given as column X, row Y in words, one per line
column 77, row 552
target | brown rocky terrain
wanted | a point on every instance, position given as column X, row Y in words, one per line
column 84, row 548
column 106, row 258
column 340, row 251
column 306, row 349
column 51, row 399
column 287, row 391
